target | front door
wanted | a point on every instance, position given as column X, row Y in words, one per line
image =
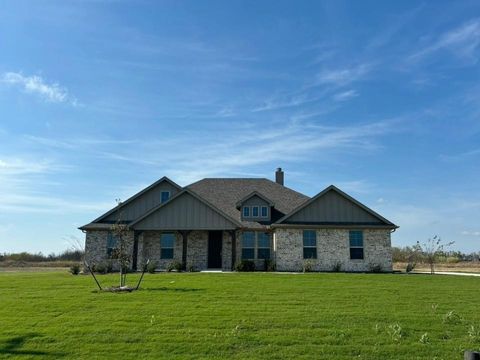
column 215, row 249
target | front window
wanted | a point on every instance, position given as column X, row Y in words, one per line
column 164, row 196
column 309, row 244
column 263, row 245
column 112, row 242
column 246, row 211
column 254, row 211
column 167, row 243
column 264, row 211
column 248, row 245
column 356, row 245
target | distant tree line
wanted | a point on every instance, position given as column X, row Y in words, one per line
column 67, row 255
column 404, row 254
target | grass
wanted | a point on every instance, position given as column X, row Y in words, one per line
column 238, row 316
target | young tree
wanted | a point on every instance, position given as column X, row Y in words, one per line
column 120, row 252
column 432, row 248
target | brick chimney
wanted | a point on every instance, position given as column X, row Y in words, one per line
column 279, row 176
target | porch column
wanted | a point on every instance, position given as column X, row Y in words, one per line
column 233, row 235
column 184, row 234
column 135, row 251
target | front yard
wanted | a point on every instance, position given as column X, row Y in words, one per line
column 238, row 316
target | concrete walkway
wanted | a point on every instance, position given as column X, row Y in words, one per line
column 447, row 273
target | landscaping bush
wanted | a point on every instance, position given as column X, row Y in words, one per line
column 103, row 267
column 175, row 265
column 337, row 267
column 191, row 268
column 151, row 267
column 75, row 269
column 245, row 265
column 269, row 265
column 308, row 265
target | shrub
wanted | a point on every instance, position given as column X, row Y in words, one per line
column 410, row 267
column 245, row 265
column 269, row 265
column 191, row 268
column 308, row 265
column 175, row 265
column 104, row 267
column 337, row 267
column 151, row 267
column 75, row 269
column 375, row 268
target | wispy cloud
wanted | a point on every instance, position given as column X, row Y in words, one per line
column 470, row 233
column 345, row 95
column 343, row 76
column 50, row 92
column 462, row 41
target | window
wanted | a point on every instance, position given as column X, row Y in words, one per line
column 264, row 211
column 164, row 196
column 263, row 245
column 254, row 211
column 167, row 243
column 309, row 244
column 112, row 241
column 248, row 245
column 246, row 211
column 356, row 245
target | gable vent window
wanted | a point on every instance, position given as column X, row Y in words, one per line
column 309, row 244
column 264, row 212
column 254, row 211
column 112, row 242
column 246, row 211
column 164, row 196
column 356, row 245
column 167, row 243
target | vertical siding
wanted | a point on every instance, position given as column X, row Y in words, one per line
column 332, row 207
column 185, row 213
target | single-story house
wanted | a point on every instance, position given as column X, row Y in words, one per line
column 216, row 222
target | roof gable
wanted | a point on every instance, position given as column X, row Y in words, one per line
column 185, row 211
column 141, row 202
column 254, row 194
column 333, row 206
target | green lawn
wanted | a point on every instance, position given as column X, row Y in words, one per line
column 238, row 316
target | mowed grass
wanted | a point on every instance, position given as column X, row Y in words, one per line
column 240, row 316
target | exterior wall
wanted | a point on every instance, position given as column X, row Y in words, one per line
column 197, row 250
column 227, row 251
column 96, row 246
column 149, row 248
column 333, row 247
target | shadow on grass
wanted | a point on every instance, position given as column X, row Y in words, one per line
column 172, row 289
column 13, row 347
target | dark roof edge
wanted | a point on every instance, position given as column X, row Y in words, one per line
column 345, row 195
column 195, row 195
column 141, row 192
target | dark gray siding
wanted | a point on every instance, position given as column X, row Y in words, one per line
column 185, row 213
column 333, row 208
column 143, row 203
column 255, row 201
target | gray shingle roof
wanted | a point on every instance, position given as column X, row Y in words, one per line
column 225, row 193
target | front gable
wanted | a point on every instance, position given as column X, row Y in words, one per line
column 334, row 207
column 140, row 203
column 186, row 211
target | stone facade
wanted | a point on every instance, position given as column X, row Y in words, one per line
column 96, row 246
column 286, row 250
column 333, row 248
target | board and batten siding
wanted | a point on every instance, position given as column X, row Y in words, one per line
column 333, row 208
column 186, row 212
column 143, row 203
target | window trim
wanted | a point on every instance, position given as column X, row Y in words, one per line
column 255, row 245
column 356, row 246
column 243, row 211
column 258, row 211
column 161, row 198
column 266, row 212
column 310, row 246
column 167, row 247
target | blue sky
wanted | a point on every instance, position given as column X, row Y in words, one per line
column 98, row 99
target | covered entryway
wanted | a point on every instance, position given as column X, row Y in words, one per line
column 215, row 249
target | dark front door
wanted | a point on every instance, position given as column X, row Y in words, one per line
column 215, row 249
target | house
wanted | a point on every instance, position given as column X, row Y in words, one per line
column 216, row 222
